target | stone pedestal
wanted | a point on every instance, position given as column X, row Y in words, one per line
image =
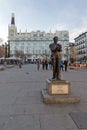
column 58, row 91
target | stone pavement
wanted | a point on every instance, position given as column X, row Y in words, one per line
column 21, row 104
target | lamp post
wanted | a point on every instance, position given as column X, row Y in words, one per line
column 6, row 49
column 46, row 54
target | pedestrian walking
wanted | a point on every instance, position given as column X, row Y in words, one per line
column 61, row 65
column 50, row 65
column 46, row 64
column 20, row 64
column 65, row 64
column 38, row 64
column 43, row 64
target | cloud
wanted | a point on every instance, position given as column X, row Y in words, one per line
column 44, row 15
column 76, row 32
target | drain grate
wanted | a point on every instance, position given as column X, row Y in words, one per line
column 80, row 119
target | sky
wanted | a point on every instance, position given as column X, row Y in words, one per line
column 44, row 15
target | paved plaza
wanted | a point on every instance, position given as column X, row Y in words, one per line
column 21, row 104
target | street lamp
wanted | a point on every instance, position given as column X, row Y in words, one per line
column 46, row 54
column 5, row 50
column 8, row 48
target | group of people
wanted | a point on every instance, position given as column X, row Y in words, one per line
column 45, row 63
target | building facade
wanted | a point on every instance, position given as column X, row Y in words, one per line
column 33, row 44
column 81, row 45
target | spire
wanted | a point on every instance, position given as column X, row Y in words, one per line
column 13, row 19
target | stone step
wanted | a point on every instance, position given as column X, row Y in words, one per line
column 53, row 99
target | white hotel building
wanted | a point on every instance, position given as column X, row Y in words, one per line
column 36, row 43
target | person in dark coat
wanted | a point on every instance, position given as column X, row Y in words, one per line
column 46, row 64
column 43, row 64
column 65, row 63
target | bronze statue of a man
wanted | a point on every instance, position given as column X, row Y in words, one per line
column 56, row 49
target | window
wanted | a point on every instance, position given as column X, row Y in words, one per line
column 41, row 35
column 34, row 35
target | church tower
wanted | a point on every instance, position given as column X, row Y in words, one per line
column 12, row 29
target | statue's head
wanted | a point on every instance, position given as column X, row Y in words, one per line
column 55, row 39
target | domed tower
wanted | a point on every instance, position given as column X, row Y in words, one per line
column 12, row 29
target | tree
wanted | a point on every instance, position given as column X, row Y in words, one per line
column 2, row 51
column 19, row 53
column 73, row 53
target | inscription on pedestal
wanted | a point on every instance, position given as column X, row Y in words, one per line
column 60, row 89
